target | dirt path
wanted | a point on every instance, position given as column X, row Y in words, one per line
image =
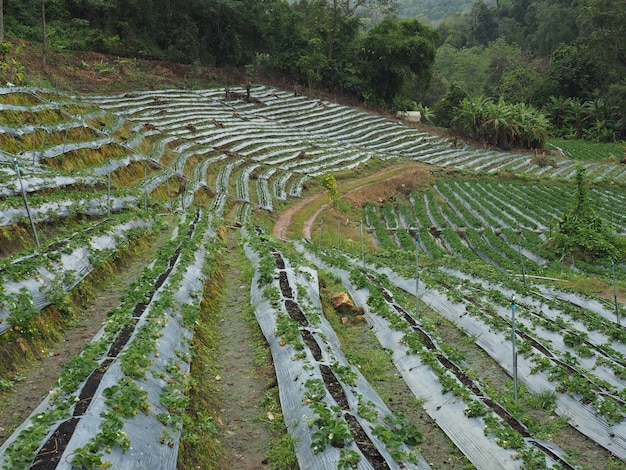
column 403, row 177
column 17, row 404
column 281, row 227
column 244, row 436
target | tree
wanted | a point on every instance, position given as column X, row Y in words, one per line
column 467, row 66
column 603, row 26
column 574, row 72
column 576, row 116
column 447, row 107
column 341, row 10
column 396, row 56
column 583, row 234
column 456, row 30
column 551, row 24
column 44, row 32
column 330, row 183
column 484, row 25
column 1, row 20
column 500, row 124
column 312, row 64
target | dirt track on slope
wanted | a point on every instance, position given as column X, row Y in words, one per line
column 379, row 186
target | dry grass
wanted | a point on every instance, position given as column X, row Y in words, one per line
column 383, row 186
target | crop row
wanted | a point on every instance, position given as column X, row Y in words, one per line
column 335, row 418
column 132, row 378
column 480, row 427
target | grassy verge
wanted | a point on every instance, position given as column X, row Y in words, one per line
column 200, row 444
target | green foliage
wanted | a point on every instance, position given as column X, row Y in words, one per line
column 500, row 123
column 332, row 428
column 447, row 107
column 11, row 69
column 348, row 459
column 330, row 183
column 312, row 65
column 468, row 66
column 435, row 10
column 583, row 234
column 396, row 56
column 398, row 431
column 289, row 331
column 23, row 311
column 281, row 455
column 584, row 150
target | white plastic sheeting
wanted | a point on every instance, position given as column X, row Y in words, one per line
column 293, row 371
column 76, row 262
column 583, row 417
column 145, row 431
column 466, row 433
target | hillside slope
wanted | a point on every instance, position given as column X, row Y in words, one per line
column 108, row 172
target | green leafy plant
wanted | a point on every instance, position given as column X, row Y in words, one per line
column 332, row 428
column 397, row 431
column 345, row 373
column 289, row 331
column 474, row 409
column 348, row 458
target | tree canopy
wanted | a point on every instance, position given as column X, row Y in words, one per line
column 527, row 52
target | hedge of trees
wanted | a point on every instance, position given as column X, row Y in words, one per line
column 564, row 58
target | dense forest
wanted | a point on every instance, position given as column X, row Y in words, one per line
column 509, row 73
column 433, row 11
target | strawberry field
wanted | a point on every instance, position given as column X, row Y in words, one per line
column 445, row 262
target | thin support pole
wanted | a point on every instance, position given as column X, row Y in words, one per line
column 338, row 236
column 417, row 273
column 109, row 188
column 169, row 194
column 43, row 144
column 513, row 346
column 519, row 249
column 362, row 246
column 145, row 190
column 321, row 229
column 30, row 217
column 615, row 293
column 182, row 195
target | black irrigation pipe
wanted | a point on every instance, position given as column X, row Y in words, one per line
column 51, row 452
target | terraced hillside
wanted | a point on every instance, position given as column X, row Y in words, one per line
column 441, row 248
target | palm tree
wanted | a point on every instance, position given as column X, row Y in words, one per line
column 604, row 124
column 556, row 109
column 470, row 115
column 577, row 115
column 499, row 120
column 529, row 127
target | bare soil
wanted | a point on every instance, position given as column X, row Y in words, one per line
column 242, row 423
column 380, row 186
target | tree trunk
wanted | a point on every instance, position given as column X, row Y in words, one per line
column 333, row 27
column 43, row 28
column 1, row 20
